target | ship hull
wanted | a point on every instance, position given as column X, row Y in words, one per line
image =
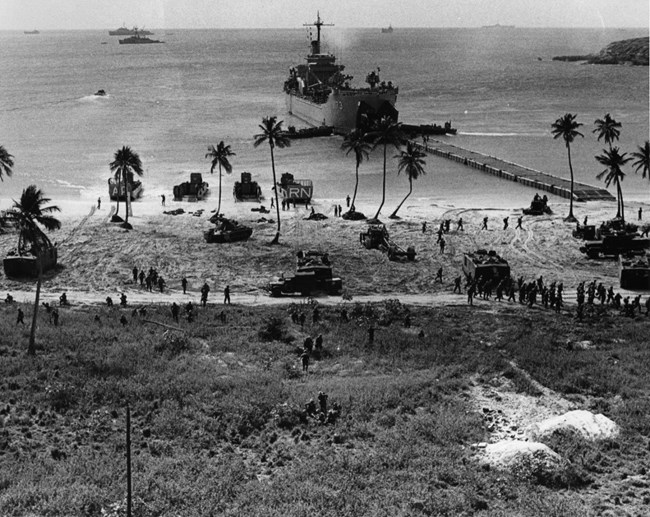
column 341, row 109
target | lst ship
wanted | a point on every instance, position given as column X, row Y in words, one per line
column 320, row 94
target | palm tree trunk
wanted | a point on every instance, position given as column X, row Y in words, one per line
column 276, row 239
column 383, row 187
column 570, row 218
column 356, row 186
column 127, row 195
column 619, row 191
column 31, row 349
column 394, row 214
column 219, row 204
column 119, row 188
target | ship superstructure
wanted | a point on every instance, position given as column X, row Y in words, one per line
column 320, row 93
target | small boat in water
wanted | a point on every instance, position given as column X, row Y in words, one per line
column 100, row 93
column 138, row 40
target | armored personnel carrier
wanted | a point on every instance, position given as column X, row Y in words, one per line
column 313, row 275
column 484, row 265
column 376, row 237
column 295, row 191
column 538, row 206
column 615, row 244
column 246, row 189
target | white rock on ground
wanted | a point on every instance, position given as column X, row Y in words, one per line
column 512, row 454
column 585, row 423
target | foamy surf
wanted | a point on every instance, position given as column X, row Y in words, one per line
column 479, row 133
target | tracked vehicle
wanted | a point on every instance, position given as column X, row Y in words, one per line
column 313, row 275
column 483, row 265
column 376, row 237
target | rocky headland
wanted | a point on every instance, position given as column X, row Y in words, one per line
column 630, row 51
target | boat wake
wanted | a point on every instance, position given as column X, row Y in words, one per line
column 93, row 98
column 480, row 133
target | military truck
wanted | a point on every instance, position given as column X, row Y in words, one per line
column 376, row 237
column 482, row 265
column 246, row 189
column 313, row 275
column 615, row 244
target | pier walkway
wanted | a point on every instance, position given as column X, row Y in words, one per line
column 513, row 172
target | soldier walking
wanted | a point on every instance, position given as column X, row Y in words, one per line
column 505, row 223
column 520, row 219
column 226, row 295
column 485, row 221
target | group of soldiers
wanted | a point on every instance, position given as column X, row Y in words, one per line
column 589, row 293
column 550, row 296
column 149, row 280
column 321, row 412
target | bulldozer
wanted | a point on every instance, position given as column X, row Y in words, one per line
column 376, row 237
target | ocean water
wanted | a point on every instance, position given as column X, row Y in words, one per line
column 499, row 87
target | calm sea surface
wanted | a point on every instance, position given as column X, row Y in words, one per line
column 499, row 87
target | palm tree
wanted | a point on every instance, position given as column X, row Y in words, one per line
column 6, row 162
column 385, row 132
column 411, row 161
column 608, row 129
column 642, row 162
column 613, row 160
column 356, row 142
column 273, row 134
column 567, row 128
column 125, row 163
column 26, row 215
column 220, row 155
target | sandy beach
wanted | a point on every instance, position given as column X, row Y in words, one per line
column 96, row 257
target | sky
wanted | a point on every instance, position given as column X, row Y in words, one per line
column 203, row 14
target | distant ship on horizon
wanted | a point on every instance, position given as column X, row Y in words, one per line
column 387, row 30
column 32, row 32
column 498, row 26
column 138, row 40
column 124, row 31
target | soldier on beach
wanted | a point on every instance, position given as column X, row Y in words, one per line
column 520, row 219
column 162, row 198
column 485, row 221
column 584, row 222
column 135, row 275
column 304, row 357
column 457, row 282
column 20, row 317
column 640, row 213
column 439, row 274
column 161, row 284
column 204, row 294
column 123, row 300
column 505, row 223
column 470, row 293
column 99, row 203
column 184, row 285
column 424, row 227
column 226, row 295
column 347, row 200
column 460, row 228
column 442, row 245
column 141, row 276
column 175, row 311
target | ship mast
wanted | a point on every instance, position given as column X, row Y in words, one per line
column 315, row 45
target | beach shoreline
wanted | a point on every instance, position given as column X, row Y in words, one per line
column 96, row 257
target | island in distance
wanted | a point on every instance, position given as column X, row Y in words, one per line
column 630, row 51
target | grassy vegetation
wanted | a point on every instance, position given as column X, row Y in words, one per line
column 219, row 425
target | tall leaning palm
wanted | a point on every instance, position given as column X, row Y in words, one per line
column 356, row 141
column 608, row 130
column 6, row 163
column 273, row 134
column 642, row 162
column 566, row 127
column 27, row 216
column 385, row 132
column 614, row 160
column 220, row 155
column 126, row 162
column 412, row 162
